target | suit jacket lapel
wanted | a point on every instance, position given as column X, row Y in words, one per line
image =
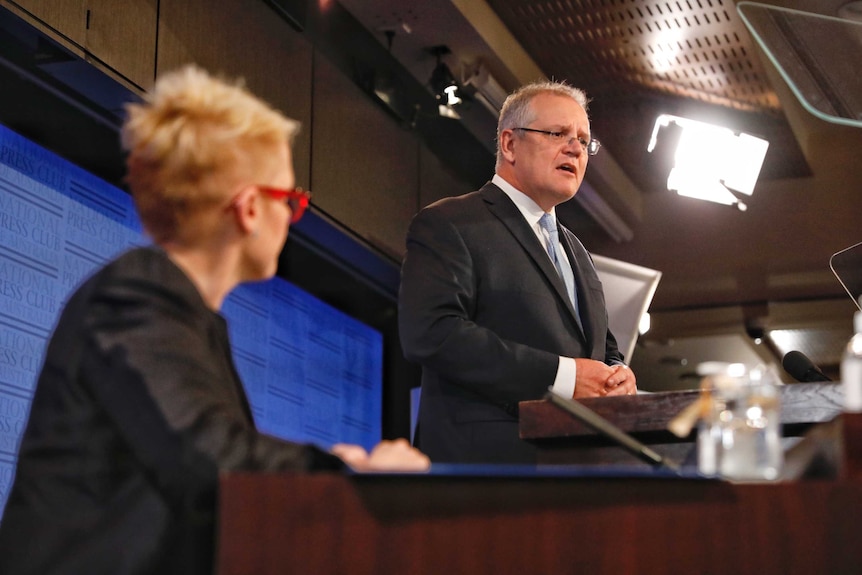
column 507, row 212
column 580, row 262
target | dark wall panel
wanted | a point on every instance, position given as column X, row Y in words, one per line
column 365, row 167
column 438, row 181
column 120, row 35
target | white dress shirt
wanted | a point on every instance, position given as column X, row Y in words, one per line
column 567, row 371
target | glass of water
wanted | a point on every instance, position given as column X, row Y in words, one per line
column 739, row 437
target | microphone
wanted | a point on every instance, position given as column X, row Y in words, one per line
column 801, row 368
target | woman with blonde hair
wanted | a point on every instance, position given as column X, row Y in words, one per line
column 138, row 406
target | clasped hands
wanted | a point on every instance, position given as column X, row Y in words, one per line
column 597, row 379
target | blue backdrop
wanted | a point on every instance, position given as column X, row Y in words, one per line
column 312, row 373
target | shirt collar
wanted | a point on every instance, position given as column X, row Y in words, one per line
column 525, row 204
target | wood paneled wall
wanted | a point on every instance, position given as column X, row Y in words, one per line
column 367, row 170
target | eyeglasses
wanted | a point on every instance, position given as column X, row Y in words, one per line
column 591, row 147
column 297, row 200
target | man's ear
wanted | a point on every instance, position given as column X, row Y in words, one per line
column 507, row 145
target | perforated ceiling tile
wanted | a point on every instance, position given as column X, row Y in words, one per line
column 694, row 48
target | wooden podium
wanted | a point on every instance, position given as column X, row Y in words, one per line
column 622, row 519
column 562, row 439
column 334, row 524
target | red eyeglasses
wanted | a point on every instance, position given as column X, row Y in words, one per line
column 297, row 200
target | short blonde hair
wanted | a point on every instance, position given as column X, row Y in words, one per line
column 517, row 112
column 187, row 140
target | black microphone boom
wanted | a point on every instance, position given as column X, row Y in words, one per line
column 801, row 368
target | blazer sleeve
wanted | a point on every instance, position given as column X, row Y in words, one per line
column 613, row 355
column 437, row 304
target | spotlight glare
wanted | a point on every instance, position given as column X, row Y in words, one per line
column 710, row 161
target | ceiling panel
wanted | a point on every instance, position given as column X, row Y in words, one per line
column 693, row 48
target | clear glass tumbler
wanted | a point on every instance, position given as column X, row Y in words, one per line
column 740, row 436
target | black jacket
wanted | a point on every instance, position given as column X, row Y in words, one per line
column 137, row 409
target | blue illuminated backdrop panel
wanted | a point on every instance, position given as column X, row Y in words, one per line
column 312, row 373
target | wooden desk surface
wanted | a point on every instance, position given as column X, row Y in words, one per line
column 801, row 405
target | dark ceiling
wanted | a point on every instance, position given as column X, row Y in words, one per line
column 727, row 275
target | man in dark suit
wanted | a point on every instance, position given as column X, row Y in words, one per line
column 498, row 302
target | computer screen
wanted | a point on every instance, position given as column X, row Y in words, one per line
column 312, row 373
column 847, row 267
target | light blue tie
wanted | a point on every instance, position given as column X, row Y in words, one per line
column 549, row 224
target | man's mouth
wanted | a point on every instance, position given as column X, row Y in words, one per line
column 567, row 168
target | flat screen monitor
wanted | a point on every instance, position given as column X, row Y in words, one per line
column 806, row 49
column 847, row 267
column 312, row 373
